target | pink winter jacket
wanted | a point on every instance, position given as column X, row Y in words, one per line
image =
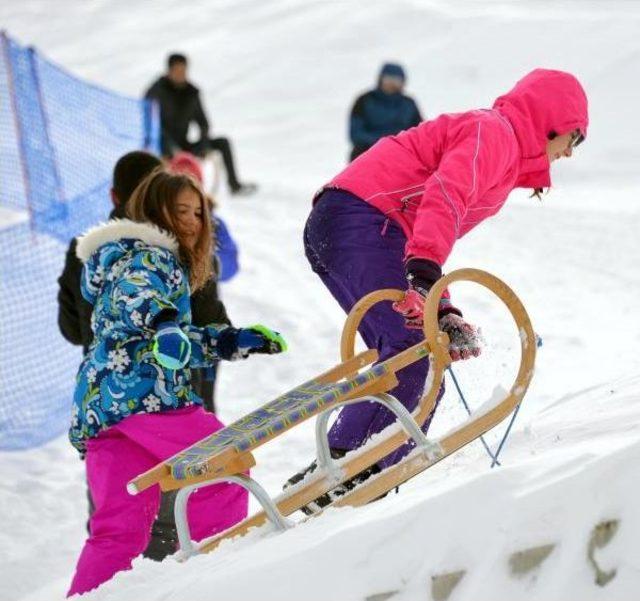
column 440, row 179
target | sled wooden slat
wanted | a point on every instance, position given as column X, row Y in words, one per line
column 263, row 425
column 239, row 464
column 222, row 453
column 354, row 463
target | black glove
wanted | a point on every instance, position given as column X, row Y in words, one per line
column 239, row 343
column 465, row 339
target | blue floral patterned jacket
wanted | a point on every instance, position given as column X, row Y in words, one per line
column 131, row 274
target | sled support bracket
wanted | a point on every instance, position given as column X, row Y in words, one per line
column 187, row 547
column 432, row 450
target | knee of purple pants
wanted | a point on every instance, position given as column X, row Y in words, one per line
column 352, row 426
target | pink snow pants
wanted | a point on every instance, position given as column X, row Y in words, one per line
column 120, row 527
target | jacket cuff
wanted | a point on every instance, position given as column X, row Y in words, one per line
column 166, row 315
column 445, row 308
column 422, row 273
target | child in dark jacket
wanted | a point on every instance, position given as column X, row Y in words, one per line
column 134, row 405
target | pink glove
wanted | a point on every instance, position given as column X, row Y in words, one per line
column 410, row 307
column 465, row 339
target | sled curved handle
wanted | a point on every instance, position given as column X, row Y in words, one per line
column 438, row 341
column 356, row 315
column 519, row 314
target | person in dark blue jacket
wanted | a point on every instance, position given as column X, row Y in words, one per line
column 383, row 111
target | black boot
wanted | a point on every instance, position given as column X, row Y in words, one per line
column 164, row 538
column 329, row 497
column 302, row 474
column 243, row 189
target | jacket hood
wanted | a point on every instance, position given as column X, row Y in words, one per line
column 391, row 70
column 541, row 102
column 105, row 244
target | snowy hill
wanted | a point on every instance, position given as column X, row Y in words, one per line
column 279, row 77
column 570, row 471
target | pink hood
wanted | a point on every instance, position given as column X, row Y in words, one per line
column 440, row 179
column 541, row 102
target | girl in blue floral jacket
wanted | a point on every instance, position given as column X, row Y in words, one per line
column 134, row 405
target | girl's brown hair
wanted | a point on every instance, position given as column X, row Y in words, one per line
column 537, row 193
column 154, row 201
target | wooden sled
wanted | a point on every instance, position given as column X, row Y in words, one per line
column 226, row 455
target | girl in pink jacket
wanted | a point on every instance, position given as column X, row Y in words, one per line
column 392, row 217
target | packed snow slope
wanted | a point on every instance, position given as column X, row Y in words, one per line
column 565, row 475
column 279, row 78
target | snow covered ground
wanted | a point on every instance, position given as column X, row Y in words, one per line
column 560, row 481
column 279, row 77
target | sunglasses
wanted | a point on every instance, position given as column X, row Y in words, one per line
column 575, row 140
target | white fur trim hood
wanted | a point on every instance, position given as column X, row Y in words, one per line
column 117, row 229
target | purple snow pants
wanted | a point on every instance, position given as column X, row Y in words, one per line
column 356, row 250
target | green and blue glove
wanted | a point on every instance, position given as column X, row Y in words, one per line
column 171, row 346
column 239, row 343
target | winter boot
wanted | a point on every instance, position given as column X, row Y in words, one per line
column 329, row 497
column 243, row 189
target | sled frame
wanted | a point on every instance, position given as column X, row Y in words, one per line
column 369, row 385
column 326, row 463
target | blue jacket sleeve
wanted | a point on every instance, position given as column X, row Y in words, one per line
column 204, row 352
column 147, row 292
column 227, row 251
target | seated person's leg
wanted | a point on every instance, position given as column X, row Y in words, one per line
column 223, row 146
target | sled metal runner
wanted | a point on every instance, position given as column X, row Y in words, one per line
column 226, row 455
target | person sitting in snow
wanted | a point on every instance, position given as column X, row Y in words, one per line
column 180, row 105
column 74, row 312
column 383, row 111
column 392, row 218
column 133, row 405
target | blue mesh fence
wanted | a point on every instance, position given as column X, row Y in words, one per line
column 59, row 140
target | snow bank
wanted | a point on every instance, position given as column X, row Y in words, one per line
column 572, row 471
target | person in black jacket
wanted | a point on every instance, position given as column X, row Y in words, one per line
column 180, row 105
column 383, row 111
column 74, row 312
column 74, row 320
